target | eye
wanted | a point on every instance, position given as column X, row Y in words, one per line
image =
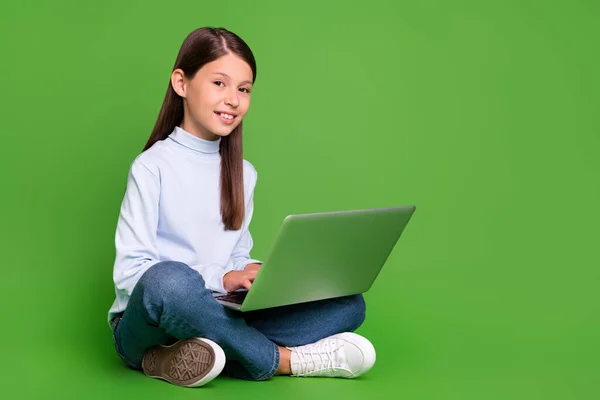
column 219, row 83
column 245, row 90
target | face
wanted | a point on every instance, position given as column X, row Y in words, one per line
column 216, row 99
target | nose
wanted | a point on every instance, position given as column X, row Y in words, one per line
column 232, row 98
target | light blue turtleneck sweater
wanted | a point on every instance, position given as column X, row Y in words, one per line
column 171, row 212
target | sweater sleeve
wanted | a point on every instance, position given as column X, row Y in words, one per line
column 212, row 275
column 135, row 238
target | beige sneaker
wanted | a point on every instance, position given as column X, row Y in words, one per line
column 345, row 355
column 189, row 362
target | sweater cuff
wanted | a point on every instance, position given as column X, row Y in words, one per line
column 218, row 284
column 212, row 275
column 242, row 264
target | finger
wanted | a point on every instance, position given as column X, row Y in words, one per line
column 247, row 284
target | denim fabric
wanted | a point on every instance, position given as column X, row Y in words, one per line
column 170, row 302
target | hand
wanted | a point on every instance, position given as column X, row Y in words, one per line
column 234, row 280
column 252, row 267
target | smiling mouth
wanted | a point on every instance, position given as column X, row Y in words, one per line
column 225, row 116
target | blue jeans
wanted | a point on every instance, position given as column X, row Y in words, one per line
column 170, row 302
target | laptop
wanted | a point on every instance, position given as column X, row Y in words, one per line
column 323, row 255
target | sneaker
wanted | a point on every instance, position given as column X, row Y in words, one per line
column 345, row 355
column 189, row 362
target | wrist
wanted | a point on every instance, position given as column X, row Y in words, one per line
column 226, row 281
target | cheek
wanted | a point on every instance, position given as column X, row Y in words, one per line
column 203, row 99
column 244, row 106
column 203, row 107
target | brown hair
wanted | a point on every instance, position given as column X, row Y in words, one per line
column 200, row 47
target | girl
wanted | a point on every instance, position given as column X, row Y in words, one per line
column 183, row 233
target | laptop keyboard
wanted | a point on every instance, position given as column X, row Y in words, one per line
column 235, row 298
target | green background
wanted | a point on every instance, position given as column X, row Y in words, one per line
column 482, row 114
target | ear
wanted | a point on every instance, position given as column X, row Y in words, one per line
column 178, row 82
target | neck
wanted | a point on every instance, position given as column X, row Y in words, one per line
column 197, row 131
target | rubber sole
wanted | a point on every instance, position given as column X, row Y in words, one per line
column 190, row 362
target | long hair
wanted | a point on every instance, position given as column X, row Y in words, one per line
column 200, row 47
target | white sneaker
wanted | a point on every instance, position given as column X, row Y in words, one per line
column 189, row 362
column 345, row 355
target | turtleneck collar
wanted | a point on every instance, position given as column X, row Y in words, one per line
column 194, row 142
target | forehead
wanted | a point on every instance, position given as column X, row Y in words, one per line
column 231, row 65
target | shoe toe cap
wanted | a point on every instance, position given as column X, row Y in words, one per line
column 360, row 353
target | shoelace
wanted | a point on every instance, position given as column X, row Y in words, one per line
column 321, row 354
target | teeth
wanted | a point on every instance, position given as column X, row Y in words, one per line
column 228, row 116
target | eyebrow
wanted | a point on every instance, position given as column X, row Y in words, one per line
column 225, row 75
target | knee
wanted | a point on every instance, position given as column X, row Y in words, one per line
column 355, row 311
column 170, row 279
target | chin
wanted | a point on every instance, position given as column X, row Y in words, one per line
column 224, row 132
